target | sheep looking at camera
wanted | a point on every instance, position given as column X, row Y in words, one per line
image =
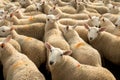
column 72, row 69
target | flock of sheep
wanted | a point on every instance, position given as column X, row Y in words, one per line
column 62, row 39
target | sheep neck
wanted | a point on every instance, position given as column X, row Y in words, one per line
column 74, row 38
column 50, row 25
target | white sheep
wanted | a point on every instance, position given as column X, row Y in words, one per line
column 110, row 27
column 35, row 30
column 25, row 3
column 60, row 2
column 82, row 51
column 32, row 47
column 31, row 19
column 13, row 42
column 81, row 30
column 68, row 9
column 55, row 10
column 53, row 35
column 92, row 21
column 105, row 43
column 112, row 17
column 82, row 9
column 100, row 9
column 17, row 66
column 64, row 67
column 117, row 23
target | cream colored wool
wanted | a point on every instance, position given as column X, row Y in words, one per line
column 32, row 19
column 111, row 45
column 54, row 36
column 56, row 10
column 17, row 66
column 67, row 68
column 82, row 51
column 100, row 9
column 33, row 48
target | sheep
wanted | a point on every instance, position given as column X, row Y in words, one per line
column 32, row 47
column 68, row 9
column 60, row 2
column 112, row 17
column 17, row 66
column 81, row 30
column 33, row 7
column 97, row 37
column 53, row 34
column 21, row 15
column 114, row 10
column 25, row 3
column 13, row 42
column 92, row 21
column 110, row 27
column 100, row 9
column 32, row 19
column 115, row 3
column 64, row 67
column 117, row 23
column 35, row 30
column 82, row 52
column 82, row 9
column 55, row 10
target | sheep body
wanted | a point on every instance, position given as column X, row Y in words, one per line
column 35, row 30
column 30, row 20
column 54, row 36
column 33, row 48
column 77, row 71
column 73, row 68
column 82, row 52
column 111, row 46
column 17, row 66
column 100, row 9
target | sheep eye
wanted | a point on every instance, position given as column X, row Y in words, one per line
column 48, row 19
column 3, row 31
column 2, row 46
column 61, row 54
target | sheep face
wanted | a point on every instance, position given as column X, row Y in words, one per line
column 114, row 10
column 69, row 30
column 4, row 31
column 55, row 54
column 93, row 32
column 4, row 46
column 23, row 2
column 51, row 18
column 1, row 12
column 95, row 21
column 117, row 23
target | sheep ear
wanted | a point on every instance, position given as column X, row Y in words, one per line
column 102, row 29
column 69, row 52
column 90, row 17
column 86, row 26
column 48, row 46
column 100, row 16
column 74, row 26
column 2, row 45
column 58, row 16
column 67, row 27
column 9, row 37
column 103, row 20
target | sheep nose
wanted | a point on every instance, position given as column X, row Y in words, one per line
column 90, row 38
column 99, row 26
column 116, row 25
column 51, row 62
